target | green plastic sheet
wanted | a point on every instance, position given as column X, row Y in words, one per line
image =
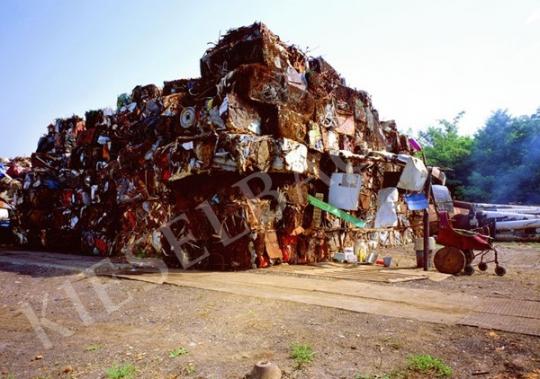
column 336, row 212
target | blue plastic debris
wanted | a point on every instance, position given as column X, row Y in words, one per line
column 416, row 201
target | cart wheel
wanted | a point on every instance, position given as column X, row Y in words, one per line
column 482, row 266
column 469, row 256
column 469, row 270
column 449, row 260
column 500, row 270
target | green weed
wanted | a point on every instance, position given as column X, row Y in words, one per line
column 189, row 369
column 123, row 371
column 302, row 354
column 178, row 352
column 426, row 364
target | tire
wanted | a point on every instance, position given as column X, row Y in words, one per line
column 500, row 271
column 469, row 256
column 469, row 270
column 482, row 266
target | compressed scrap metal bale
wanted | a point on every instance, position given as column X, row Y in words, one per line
column 251, row 44
column 240, row 116
column 12, row 176
column 244, row 153
column 291, row 124
column 266, row 86
column 107, row 183
column 291, row 157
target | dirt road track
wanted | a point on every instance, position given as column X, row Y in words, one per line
column 519, row 316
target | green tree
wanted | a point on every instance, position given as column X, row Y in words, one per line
column 505, row 160
column 446, row 148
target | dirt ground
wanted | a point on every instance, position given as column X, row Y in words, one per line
column 522, row 262
column 139, row 323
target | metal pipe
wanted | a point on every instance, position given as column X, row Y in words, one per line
column 530, row 209
column 507, row 237
column 521, row 224
column 501, row 214
column 426, row 221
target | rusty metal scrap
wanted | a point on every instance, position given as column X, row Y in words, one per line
column 105, row 184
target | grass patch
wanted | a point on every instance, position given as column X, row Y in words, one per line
column 189, row 369
column 178, row 352
column 123, row 371
column 418, row 366
column 93, row 347
column 302, row 354
column 428, row 365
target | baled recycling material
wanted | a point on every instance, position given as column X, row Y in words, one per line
column 12, row 174
column 264, row 117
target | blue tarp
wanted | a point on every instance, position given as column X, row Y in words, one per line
column 416, row 201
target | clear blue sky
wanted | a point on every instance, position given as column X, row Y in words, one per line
column 420, row 60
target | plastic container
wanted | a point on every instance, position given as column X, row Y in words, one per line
column 387, row 261
column 419, row 248
column 361, row 250
column 345, row 256
column 419, row 243
column 372, row 257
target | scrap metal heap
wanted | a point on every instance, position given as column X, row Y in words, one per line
column 12, row 173
column 236, row 157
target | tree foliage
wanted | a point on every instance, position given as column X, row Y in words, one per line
column 506, row 160
column 499, row 164
column 446, row 148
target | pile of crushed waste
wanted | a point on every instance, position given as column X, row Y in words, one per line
column 12, row 174
column 268, row 157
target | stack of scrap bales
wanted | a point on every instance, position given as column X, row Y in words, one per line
column 12, row 175
column 230, row 162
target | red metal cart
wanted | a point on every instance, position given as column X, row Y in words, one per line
column 458, row 252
